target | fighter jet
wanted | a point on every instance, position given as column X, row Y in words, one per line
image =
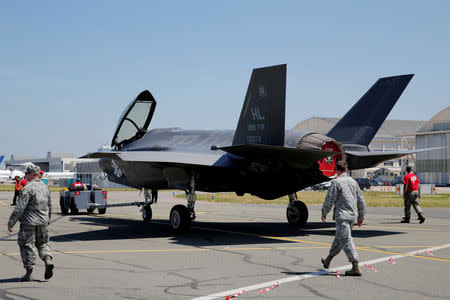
column 260, row 157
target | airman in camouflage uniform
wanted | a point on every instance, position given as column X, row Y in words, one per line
column 33, row 211
column 349, row 206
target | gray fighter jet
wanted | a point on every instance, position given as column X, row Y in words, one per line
column 260, row 157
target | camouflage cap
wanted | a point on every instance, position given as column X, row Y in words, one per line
column 32, row 169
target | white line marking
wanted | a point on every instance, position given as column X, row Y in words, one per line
column 313, row 274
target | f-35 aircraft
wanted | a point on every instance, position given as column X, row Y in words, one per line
column 260, row 157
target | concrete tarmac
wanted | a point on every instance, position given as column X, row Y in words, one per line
column 230, row 248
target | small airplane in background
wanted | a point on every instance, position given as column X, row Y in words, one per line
column 260, row 157
column 9, row 175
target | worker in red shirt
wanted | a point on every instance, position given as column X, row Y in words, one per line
column 411, row 195
column 17, row 188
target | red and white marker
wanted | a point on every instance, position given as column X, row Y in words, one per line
column 338, row 274
column 235, row 295
column 370, row 267
column 269, row 288
column 429, row 252
column 392, row 261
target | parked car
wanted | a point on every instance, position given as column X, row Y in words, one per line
column 364, row 183
column 321, row 186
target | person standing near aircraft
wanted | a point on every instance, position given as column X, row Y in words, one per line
column 33, row 211
column 411, row 195
column 17, row 188
column 349, row 206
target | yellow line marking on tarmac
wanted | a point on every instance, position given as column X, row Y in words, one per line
column 235, row 249
column 326, row 244
column 134, row 251
column 172, row 250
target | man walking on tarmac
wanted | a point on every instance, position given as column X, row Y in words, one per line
column 33, row 211
column 349, row 206
column 411, row 195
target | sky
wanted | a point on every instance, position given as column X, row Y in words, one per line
column 69, row 68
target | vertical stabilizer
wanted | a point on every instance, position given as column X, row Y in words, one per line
column 262, row 119
column 362, row 121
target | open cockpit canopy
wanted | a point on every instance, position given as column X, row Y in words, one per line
column 134, row 121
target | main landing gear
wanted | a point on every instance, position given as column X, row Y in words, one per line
column 296, row 212
column 181, row 216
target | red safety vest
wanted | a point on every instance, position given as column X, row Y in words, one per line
column 17, row 187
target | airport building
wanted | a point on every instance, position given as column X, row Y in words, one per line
column 53, row 162
column 434, row 166
column 393, row 135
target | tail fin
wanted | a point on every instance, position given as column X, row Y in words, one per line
column 262, row 117
column 1, row 158
column 362, row 121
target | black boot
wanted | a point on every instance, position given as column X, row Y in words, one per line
column 421, row 218
column 27, row 276
column 48, row 267
column 405, row 220
column 355, row 271
column 326, row 261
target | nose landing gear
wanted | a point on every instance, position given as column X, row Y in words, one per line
column 150, row 198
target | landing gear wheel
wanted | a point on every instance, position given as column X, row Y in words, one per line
column 179, row 218
column 102, row 211
column 90, row 211
column 73, row 208
column 297, row 214
column 146, row 213
column 64, row 209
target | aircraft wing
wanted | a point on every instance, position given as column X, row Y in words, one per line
column 159, row 157
column 294, row 157
column 362, row 160
column 298, row 158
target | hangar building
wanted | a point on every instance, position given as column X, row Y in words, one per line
column 434, row 166
column 53, row 162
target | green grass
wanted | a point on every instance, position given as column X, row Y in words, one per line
column 380, row 199
column 10, row 188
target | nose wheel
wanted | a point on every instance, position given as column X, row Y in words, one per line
column 151, row 197
column 146, row 213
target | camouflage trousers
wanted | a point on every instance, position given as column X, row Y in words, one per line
column 412, row 198
column 30, row 237
column 343, row 240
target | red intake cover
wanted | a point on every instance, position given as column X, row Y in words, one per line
column 327, row 165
